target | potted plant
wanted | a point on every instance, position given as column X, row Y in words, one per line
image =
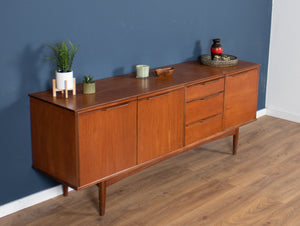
column 63, row 56
column 89, row 85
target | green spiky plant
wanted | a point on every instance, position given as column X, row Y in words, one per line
column 89, row 85
column 88, row 79
column 64, row 55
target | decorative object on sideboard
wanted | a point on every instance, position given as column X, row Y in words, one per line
column 165, row 73
column 63, row 56
column 216, row 49
column 216, row 58
column 66, row 88
column 89, row 85
column 223, row 61
column 142, row 71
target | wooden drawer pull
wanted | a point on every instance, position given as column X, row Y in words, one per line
column 205, row 83
column 161, row 95
column 234, row 75
column 115, row 107
column 203, row 120
column 207, row 97
column 213, row 95
column 237, row 74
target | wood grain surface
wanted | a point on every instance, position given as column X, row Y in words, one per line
column 118, row 88
column 204, row 128
column 54, row 141
column 204, row 89
column 160, row 124
column 203, row 108
column 204, row 186
column 107, row 141
column 240, row 102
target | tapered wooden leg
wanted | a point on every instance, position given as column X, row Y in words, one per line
column 53, row 88
column 102, row 198
column 235, row 141
column 74, row 86
column 66, row 89
column 65, row 190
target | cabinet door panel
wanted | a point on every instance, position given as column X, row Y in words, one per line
column 160, row 124
column 240, row 98
column 53, row 141
column 107, row 141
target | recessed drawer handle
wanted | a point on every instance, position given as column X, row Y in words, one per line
column 115, row 107
column 203, row 120
column 242, row 73
column 204, row 83
column 161, row 95
column 234, row 75
column 213, row 95
column 199, row 121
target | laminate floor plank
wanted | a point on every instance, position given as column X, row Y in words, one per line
column 204, row 186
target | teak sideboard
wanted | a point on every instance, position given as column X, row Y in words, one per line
column 131, row 124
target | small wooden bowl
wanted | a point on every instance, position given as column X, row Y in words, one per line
column 164, row 72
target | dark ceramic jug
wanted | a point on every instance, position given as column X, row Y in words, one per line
column 216, row 48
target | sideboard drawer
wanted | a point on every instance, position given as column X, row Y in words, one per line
column 203, row 129
column 204, row 108
column 204, row 89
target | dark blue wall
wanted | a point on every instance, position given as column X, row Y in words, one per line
column 113, row 36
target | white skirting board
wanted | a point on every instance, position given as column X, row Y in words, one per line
column 30, row 200
column 261, row 113
column 283, row 115
column 50, row 193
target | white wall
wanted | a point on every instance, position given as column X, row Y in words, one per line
column 283, row 86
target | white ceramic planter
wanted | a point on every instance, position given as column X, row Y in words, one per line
column 61, row 77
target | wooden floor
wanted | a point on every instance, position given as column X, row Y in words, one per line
column 204, row 186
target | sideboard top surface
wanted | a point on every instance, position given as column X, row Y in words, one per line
column 123, row 87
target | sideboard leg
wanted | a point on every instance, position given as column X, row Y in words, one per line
column 102, row 198
column 235, row 141
column 65, row 190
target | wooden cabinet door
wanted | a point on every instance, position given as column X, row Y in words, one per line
column 107, row 141
column 53, row 141
column 160, row 124
column 240, row 98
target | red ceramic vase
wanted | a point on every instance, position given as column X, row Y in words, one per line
column 216, row 48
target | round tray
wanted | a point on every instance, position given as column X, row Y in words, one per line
column 206, row 59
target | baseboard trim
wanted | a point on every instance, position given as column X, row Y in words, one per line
column 283, row 115
column 261, row 113
column 30, row 200
column 50, row 193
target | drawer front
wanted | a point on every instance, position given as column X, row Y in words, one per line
column 204, row 108
column 203, row 129
column 204, row 89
